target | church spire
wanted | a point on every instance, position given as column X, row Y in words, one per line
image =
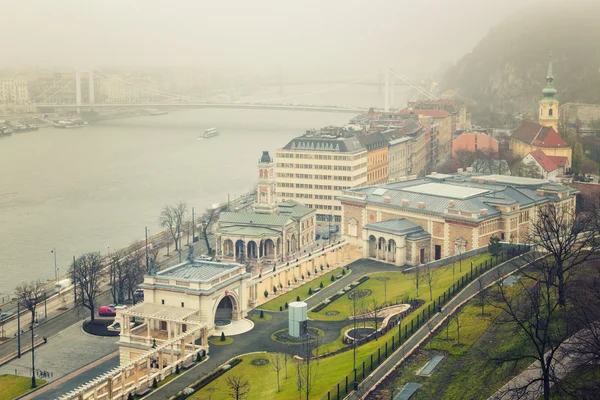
column 549, row 91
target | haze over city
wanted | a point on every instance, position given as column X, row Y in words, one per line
column 315, row 200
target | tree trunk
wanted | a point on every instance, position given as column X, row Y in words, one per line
column 33, row 383
column 92, row 315
column 561, row 288
column 546, row 383
column 206, row 241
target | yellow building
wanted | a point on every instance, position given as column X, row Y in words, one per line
column 549, row 104
column 531, row 136
column 377, row 157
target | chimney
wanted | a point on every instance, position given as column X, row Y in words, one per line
column 450, row 203
column 421, row 204
column 459, row 170
column 387, row 199
column 469, row 169
column 483, row 211
column 434, row 173
column 405, row 202
column 492, row 180
column 540, row 192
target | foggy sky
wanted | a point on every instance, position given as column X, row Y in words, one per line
column 306, row 36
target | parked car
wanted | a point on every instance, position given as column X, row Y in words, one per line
column 107, row 311
column 204, row 257
column 325, row 237
column 139, row 293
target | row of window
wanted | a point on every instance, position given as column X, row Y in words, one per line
column 319, row 156
column 320, row 166
column 322, row 177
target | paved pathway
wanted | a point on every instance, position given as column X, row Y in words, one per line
column 415, row 340
column 64, row 353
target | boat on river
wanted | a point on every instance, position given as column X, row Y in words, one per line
column 210, row 132
column 70, row 123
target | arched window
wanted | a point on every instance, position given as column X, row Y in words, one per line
column 261, row 173
column 550, row 112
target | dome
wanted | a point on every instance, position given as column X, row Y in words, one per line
column 549, row 91
column 266, row 158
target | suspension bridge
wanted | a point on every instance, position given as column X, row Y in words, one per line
column 127, row 94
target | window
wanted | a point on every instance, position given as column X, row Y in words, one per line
column 550, row 112
column 162, row 301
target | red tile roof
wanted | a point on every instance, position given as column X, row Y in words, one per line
column 438, row 113
column 544, row 161
column 538, row 135
column 559, row 161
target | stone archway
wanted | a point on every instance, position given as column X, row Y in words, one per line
column 392, row 250
column 226, row 310
column 269, row 248
column 252, row 249
column 228, row 248
column 372, row 247
column 240, row 250
column 381, row 248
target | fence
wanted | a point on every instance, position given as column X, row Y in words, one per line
column 350, row 382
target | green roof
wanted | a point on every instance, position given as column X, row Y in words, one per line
column 254, row 219
column 294, row 209
column 248, row 230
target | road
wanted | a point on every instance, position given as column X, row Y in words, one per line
column 415, row 340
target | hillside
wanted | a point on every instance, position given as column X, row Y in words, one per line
column 506, row 71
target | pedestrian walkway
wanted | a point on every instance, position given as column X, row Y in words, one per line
column 64, row 353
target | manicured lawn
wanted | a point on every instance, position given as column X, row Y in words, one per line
column 12, row 386
column 216, row 340
column 398, row 288
column 257, row 318
column 336, row 344
column 301, row 291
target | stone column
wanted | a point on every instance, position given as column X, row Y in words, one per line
column 109, row 386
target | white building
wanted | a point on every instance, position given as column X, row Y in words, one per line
column 313, row 169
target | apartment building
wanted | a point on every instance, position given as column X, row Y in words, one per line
column 377, row 157
column 13, row 92
column 315, row 168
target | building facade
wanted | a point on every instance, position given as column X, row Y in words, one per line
column 531, row 136
column 13, row 92
column 549, row 106
column 460, row 211
column 377, row 157
column 313, row 169
column 474, row 142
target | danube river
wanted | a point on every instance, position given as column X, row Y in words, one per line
column 89, row 189
column 96, row 187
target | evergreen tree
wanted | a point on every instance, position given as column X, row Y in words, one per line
column 222, row 336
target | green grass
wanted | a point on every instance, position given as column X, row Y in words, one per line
column 216, row 340
column 257, row 318
column 12, row 386
column 301, row 291
column 399, row 287
column 337, row 344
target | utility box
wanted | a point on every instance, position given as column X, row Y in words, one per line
column 297, row 318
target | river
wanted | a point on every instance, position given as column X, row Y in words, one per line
column 95, row 188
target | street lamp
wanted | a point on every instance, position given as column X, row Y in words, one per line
column 53, row 251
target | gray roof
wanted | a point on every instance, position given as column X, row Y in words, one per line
column 294, row 209
column 254, row 219
column 373, row 140
column 198, row 271
column 311, row 142
column 398, row 226
column 460, row 204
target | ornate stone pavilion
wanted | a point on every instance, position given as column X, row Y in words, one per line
column 397, row 241
column 273, row 233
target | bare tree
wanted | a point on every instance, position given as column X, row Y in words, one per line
column 209, row 217
column 133, row 270
column 569, row 238
column 374, row 306
column 87, row 274
column 481, row 294
column 416, row 277
column 457, row 322
column 309, row 367
column 238, row 387
column 172, row 218
column 29, row 295
column 534, row 310
column 117, row 276
column 430, row 277
column 277, row 363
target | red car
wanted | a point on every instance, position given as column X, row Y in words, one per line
column 106, row 311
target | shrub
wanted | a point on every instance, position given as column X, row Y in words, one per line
column 222, row 336
column 297, row 298
column 308, row 273
column 295, row 280
column 198, row 357
column 321, row 285
column 316, row 272
column 280, row 308
column 280, row 286
column 343, row 272
column 286, row 305
column 154, row 383
column 262, row 314
column 302, row 277
column 273, row 268
column 328, row 265
column 289, row 283
column 309, row 291
column 130, row 396
column 266, row 294
column 177, row 369
column 274, row 289
column 332, row 278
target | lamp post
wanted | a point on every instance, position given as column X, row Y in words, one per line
column 147, row 249
column 53, row 251
column 18, row 329
column 33, row 383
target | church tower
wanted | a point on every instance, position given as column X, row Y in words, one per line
column 549, row 104
column 265, row 196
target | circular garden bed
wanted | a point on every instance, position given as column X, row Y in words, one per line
column 100, row 327
column 359, row 294
column 260, row 361
column 282, row 336
column 360, row 333
column 332, row 312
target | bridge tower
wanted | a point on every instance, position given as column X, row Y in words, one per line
column 91, row 87
column 386, row 92
column 392, row 90
column 78, row 89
